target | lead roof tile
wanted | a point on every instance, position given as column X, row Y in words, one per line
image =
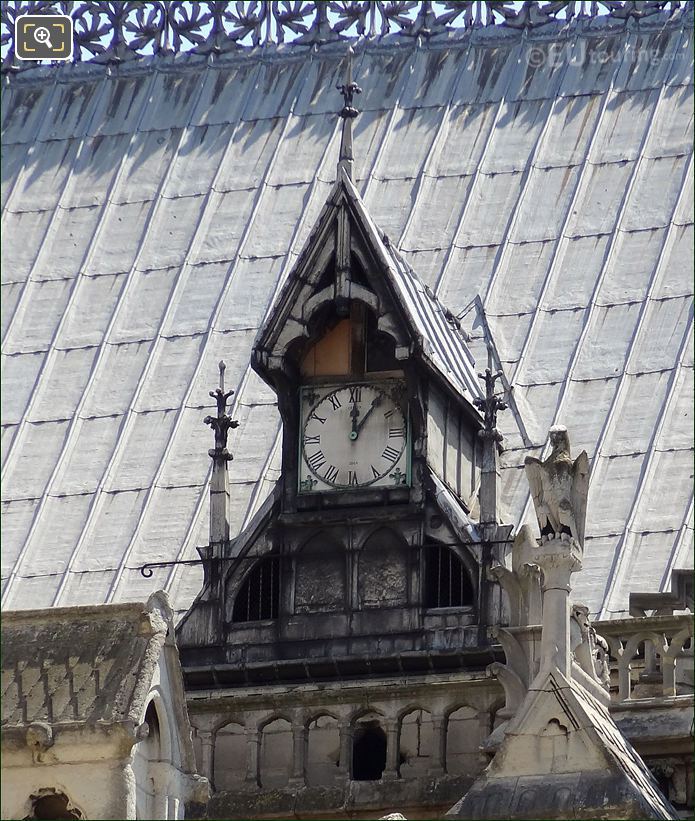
column 655, row 192
column 170, row 371
column 277, row 93
column 631, row 266
column 41, row 445
column 668, row 488
column 681, row 68
column 196, row 297
column 84, row 465
column 550, row 346
column 26, row 110
column 115, row 248
column 70, row 111
column 647, row 59
column 96, row 298
column 599, row 198
column 112, row 525
column 7, row 434
column 170, row 233
column 115, row 378
column 17, row 517
column 143, row 303
column 297, row 158
column 607, row 342
column 493, row 201
column 624, row 123
column 407, row 143
column 432, row 77
column 586, row 407
column 622, row 473
column 223, row 226
column 518, row 127
column 39, row 186
column 188, row 176
column 437, row 212
column 20, row 374
column 172, row 99
column 471, row 124
column 671, row 131
column 585, row 257
column 10, row 294
column 676, row 431
column 524, row 268
column 71, row 512
column 141, row 446
column 18, row 257
column 638, row 407
column 223, row 92
column 121, row 104
column 488, row 71
column 543, row 209
column 41, row 309
column 664, row 331
column 67, row 243
column 144, row 165
column 569, row 131
column 63, row 380
column 189, row 449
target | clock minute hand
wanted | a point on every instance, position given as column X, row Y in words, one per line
column 375, row 403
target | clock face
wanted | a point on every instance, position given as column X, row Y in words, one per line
column 353, row 436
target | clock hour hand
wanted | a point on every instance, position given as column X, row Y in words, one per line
column 354, row 413
column 375, row 404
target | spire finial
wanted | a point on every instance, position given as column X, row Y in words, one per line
column 348, row 113
column 222, row 422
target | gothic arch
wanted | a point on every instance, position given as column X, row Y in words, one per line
column 323, row 749
column 416, row 741
column 229, row 760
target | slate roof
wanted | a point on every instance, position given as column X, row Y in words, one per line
column 158, row 205
column 80, row 664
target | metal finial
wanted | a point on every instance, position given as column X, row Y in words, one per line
column 348, row 113
column 222, row 423
column 491, row 404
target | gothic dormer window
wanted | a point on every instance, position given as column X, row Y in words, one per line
column 447, row 583
column 259, row 596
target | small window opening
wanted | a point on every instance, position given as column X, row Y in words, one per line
column 380, row 348
column 447, row 583
column 259, row 597
column 54, row 805
column 368, row 752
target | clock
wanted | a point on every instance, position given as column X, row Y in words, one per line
column 353, row 436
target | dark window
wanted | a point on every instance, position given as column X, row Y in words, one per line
column 368, row 753
column 259, row 597
column 54, row 805
column 381, row 348
column 447, row 583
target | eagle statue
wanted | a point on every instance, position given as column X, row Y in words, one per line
column 559, row 487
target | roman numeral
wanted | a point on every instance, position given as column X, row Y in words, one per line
column 375, row 473
column 331, row 473
column 316, row 460
column 352, row 477
column 396, row 433
column 389, row 413
column 391, row 454
column 312, row 440
column 356, row 393
column 321, row 419
column 335, row 401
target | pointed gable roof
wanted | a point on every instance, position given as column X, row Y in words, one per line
column 593, row 767
column 437, row 338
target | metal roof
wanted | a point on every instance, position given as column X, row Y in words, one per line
column 151, row 210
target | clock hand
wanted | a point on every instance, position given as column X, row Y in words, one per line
column 375, row 404
column 354, row 413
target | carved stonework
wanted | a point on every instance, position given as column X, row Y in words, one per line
column 559, row 488
column 114, row 32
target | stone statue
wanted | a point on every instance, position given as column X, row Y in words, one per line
column 559, row 488
column 590, row 650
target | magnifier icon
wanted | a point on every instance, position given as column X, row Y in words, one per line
column 43, row 35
